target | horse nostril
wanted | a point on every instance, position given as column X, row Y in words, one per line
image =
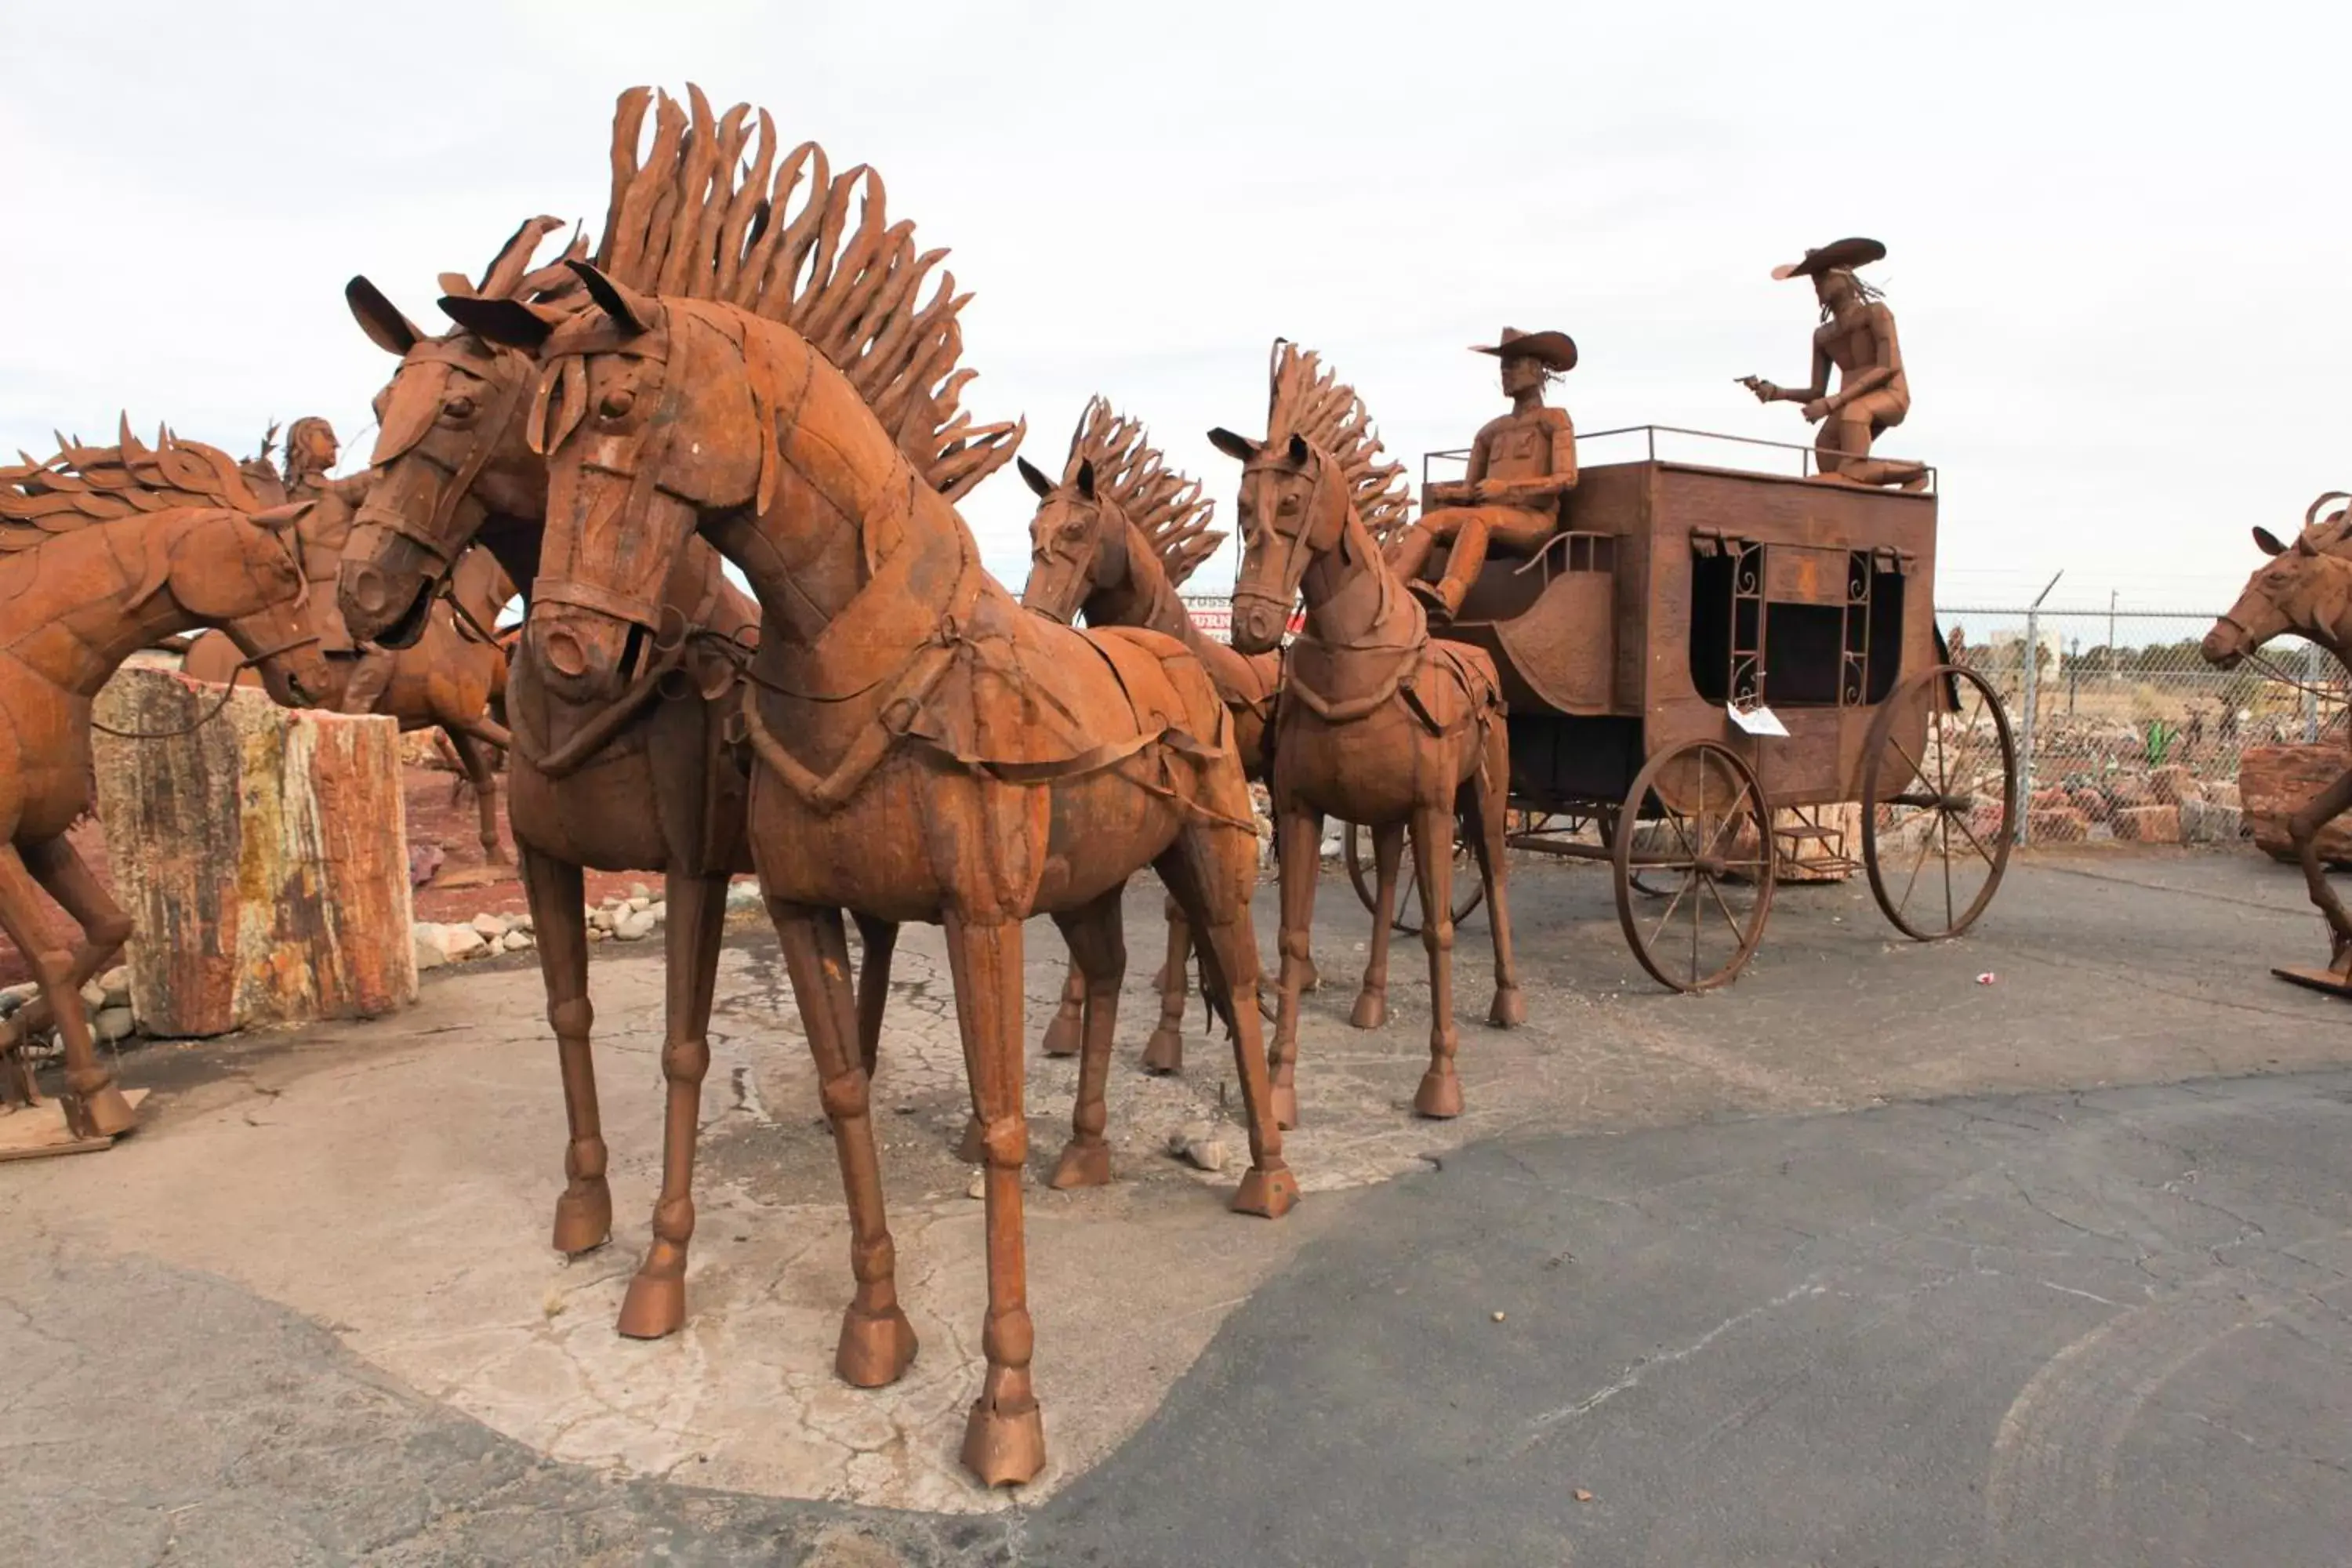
column 564, row 654
column 368, row 591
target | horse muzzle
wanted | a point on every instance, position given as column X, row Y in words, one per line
column 581, row 656
column 1258, row 623
column 2225, row 646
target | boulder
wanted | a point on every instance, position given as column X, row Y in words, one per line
column 109, row 1024
column 425, row 948
column 490, row 927
column 2273, row 782
column 2171, row 784
column 2148, row 824
column 2090, row 804
column 261, row 855
column 744, row 896
column 634, row 926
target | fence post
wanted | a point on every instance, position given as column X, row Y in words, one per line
column 2310, row 706
column 2025, row 727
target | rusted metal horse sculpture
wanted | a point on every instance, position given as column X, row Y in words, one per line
column 1114, row 540
column 923, row 749
column 2305, row 588
column 649, row 781
column 1376, row 723
column 87, row 577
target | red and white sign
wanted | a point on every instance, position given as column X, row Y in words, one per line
column 1215, row 616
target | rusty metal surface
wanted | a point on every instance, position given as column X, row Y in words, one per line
column 1376, row 723
column 89, row 574
column 2305, row 587
column 922, row 748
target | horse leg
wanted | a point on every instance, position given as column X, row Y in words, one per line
column 656, row 1304
column 94, row 1107
column 2302, row 831
column 1486, row 813
column 878, row 1344
column 1229, row 976
column 1004, row 1438
column 1433, row 850
column 485, row 779
column 1164, row 1052
column 1099, row 948
column 1299, row 830
column 56, row 865
column 559, row 922
column 878, row 938
column 1063, row 1031
column 1372, row 1001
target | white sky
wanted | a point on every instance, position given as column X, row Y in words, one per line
column 2118, row 237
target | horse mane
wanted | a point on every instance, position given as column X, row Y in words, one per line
column 1167, row 507
column 1307, row 400
column 690, row 216
column 85, row 484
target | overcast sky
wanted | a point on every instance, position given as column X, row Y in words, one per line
column 2117, row 236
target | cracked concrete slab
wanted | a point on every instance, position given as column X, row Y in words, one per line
column 393, row 1182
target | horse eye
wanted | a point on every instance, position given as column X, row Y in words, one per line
column 617, row 404
column 459, row 407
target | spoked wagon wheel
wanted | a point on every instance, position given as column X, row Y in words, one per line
column 1469, row 888
column 1696, row 826
column 1938, row 801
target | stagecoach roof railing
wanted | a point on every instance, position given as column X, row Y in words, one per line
column 1650, row 434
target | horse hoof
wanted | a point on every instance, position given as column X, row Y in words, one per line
column 973, row 1150
column 1269, row 1194
column 1062, row 1035
column 583, row 1218
column 1005, row 1448
column 1371, row 1010
column 1440, row 1097
column 1510, row 1008
column 655, row 1307
column 875, row 1350
column 1285, row 1106
column 1085, row 1163
column 1164, row 1052
column 103, row 1114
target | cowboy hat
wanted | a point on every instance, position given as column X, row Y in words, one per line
column 1838, row 256
column 1557, row 350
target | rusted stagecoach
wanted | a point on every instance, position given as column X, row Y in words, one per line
column 1701, row 663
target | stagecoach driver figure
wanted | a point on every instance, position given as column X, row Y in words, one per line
column 1522, row 465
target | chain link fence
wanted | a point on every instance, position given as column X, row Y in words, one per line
column 2123, row 730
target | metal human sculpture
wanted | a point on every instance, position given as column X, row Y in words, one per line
column 650, row 780
column 2305, row 589
column 1377, row 723
column 1522, row 466
column 923, row 748
column 88, row 575
column 1113, row 540
column 1856, row 336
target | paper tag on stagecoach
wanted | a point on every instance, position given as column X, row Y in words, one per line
column 1759, row 721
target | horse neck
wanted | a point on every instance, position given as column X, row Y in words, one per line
column 1353, row 600
column 2323, row 610
column 815, row 552
column 1141, row 595
column 76, row 623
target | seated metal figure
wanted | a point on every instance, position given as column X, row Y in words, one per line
column 1522, row 466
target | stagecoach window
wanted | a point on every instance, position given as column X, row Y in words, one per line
column 1819, row 649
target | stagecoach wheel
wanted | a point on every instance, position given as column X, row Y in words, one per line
column 1469, row 888
column 1938, row 801
column 1697, row 835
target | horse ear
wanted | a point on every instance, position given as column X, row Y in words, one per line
column 2267, row 543
column 1086, row 477
column 1300, row 452
column 1033, row 478
column 509, row 322
column 1240, row 448
column 380, row 319
column 631, row 311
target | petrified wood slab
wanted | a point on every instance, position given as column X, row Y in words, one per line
column 261, row 855
column 2274, row 781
